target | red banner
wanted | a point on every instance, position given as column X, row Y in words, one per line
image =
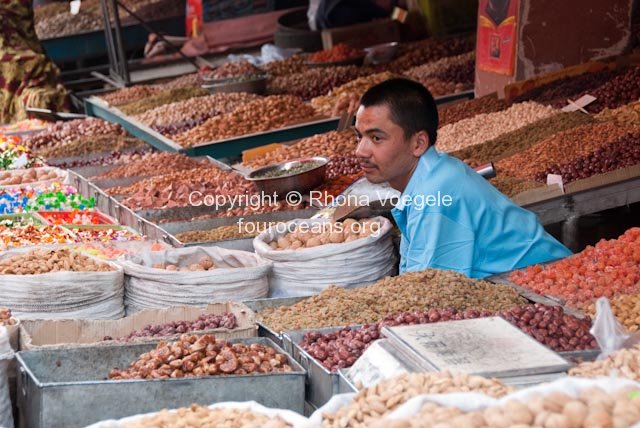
column 194, row 18
column 497, row 37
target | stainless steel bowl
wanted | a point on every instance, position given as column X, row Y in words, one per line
column 253, row 84
column 383, row 53
column 301, row 182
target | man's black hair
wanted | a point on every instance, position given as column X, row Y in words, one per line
column 411, row 104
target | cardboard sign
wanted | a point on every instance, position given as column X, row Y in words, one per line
column 497, row 38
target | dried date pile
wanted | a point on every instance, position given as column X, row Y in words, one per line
column 453, row 113
column 314, row 82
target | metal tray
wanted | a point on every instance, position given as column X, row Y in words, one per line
column 344, row 384
column 67, row 388
column 258, row 305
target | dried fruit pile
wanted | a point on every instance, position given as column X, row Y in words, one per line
column 203, row 322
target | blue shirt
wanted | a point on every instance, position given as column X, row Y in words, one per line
column 452, row 218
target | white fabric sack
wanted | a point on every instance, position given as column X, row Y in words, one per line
column 289, row 416
column 64, row 295
column 6, row 357
column 308, row 271
column 239, row 275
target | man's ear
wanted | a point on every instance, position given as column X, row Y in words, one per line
column 420, row 143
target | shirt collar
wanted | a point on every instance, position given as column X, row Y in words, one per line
column 425, row 165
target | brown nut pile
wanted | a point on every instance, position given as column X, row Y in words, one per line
column 65, row 24
column 260, row 115
column 248, row 211
column 618, row 91
column 592, row 408
column 194, row 109
column 8, row 178
column 237, row 231
column 562, row 147
column 309, row 236
column 484, row 127
column 379, row 400
column 453, row 113
column 314, row 82
column 203, row 322
column 195, row 356
column 161, row 98
column 623, row 363
column 131, row 94
column 410, row 292
column 626, row 115
column 284, row 67
column 621, row 153
column 337, row 101
column 66, row 132
column 5, row 317
column 436, row 68
column 82, row 145
column 439, row 88
column 37, row 262
column 512, row 186
column 204, row 264
column 191, row 80
column 203, row 417
column 626, row 309
column 151, row 164
column 233, row 69
column 521, row 139
column 116, row 157
column 329, row 144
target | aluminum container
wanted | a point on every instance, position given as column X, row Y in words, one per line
column 301, row 182
column 344, row 384
column 258, row 305
column 66, row 388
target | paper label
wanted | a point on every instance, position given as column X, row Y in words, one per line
column 555, row 179
column 74, row 7
column 579, row 104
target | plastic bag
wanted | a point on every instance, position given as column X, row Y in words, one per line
column 239, row 275
column 289, row 416
column 6, row 357
column 308, row 271
column 268, row 53
column 608, row 332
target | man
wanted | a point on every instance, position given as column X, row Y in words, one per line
column 450, row 217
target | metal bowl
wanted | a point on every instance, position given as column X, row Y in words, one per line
column 383, row 53
column 251, row 84
column 301, row 182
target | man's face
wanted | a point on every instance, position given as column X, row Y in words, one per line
column 384, row 153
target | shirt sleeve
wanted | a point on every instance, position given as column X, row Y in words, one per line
column 434, row 240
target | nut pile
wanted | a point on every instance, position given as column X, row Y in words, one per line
column 428, row 50
column 233, row 69
column 151, row 164
column 562, row 147
column 103, row 234
column 330, row 144
column 9, row 178
column 131, row 94
column 191, row 80
column 223, row 233
column 204, row 264
column 340, row 52
column 326, row 233
column 439, row 88
column 284, row 67
column 338, row 99
column 625, row 115
column 114, row 158
column 66, row 132
column 82, row 145
column 379, row 400
column 257, row 116
column 194, row 109
column 512, row 186
column 267, row 207
column 31, row 234
column 335, row 186
column 521, row 139
column 622, row 363
column 45, row 261
column 313, row 82
column 622, row 153
column 484, row 127
column 410, row 292
column 203, row 322
column 195, row 356
column 592, row 408
column 463, row 73
column 453, row 113
column 160, row 99
column 609, row 268
column 343, row 165
column 626, row 309
column 618, row 91
column 6, row 318
column 202, row 417
column 436, row 68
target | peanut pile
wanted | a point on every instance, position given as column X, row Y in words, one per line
column 623, row 363
column 284, row 67
column 9, row 178
column 66, row 132
column 196, row 356
column 626, row 115
column 131, row 94
column 257, row 116
column 328, row 233
column 161, row 98
column 203, row 417
column 484, row 127
column 409, row 292
column 233, row 69
column 377, row 401
column 45, row 261
column 626, row 309
column 204, row 264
